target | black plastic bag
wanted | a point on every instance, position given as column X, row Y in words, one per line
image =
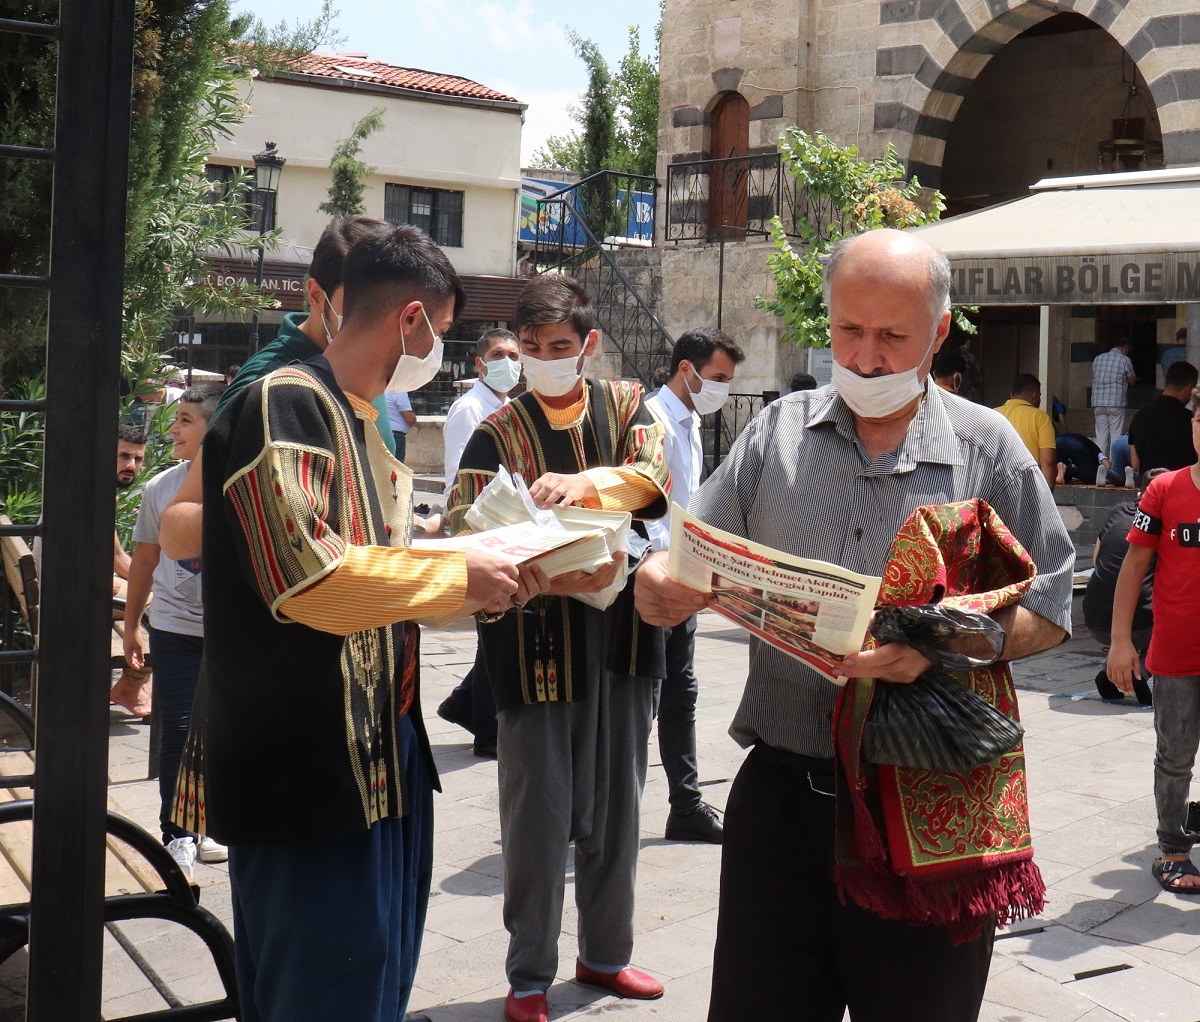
column 937, row 723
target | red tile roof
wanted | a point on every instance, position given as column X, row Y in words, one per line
column 360, row 68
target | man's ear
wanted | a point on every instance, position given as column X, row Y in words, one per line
column 316, row 297
column 943, row 331
column 589, row 344
column 410, row 315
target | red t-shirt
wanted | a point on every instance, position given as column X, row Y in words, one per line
column 1168, row 522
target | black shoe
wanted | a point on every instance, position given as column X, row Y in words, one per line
column 701, row 825
column 1141, row 689
column 484, row 750
column 448, row 716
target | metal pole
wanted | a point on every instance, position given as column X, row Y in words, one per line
column 721, row 279
column 258, row 276
column 87, row 253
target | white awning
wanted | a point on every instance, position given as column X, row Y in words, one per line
column 1098, row 240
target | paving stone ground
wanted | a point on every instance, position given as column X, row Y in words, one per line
column 1111, row 945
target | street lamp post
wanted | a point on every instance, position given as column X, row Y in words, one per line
column 268, row 167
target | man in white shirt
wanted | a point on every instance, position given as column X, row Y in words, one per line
column 498, row 368
column 703, row 363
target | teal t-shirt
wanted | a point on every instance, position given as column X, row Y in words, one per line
column 293, row 345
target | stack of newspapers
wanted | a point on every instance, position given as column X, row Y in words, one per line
column 505, row 520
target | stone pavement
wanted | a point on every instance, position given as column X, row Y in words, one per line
column 1110, row 947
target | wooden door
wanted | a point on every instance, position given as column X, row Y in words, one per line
column 727, row 208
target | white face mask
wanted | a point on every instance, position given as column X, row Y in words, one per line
column 710, row 397
column 337, row 319
column 554, row 377
column 502, row 374
column 877, row 397
column 412, row 373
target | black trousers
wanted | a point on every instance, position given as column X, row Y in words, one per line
column 676, row 711
column 788, row 949
column 471, row 701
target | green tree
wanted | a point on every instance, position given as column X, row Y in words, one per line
column 190, row 57
column 618, row 115
column 560, row 152
column 636, row 87
column 347, row 172
column 599, row 114
column 843, row 194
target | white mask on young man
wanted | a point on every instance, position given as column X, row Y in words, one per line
column 711, row 396
column 554, row 377
column 326, row 306
column 411, row 372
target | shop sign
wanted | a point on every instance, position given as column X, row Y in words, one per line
column 1143, row 279
column 283, row 282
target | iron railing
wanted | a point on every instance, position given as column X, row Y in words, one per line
column 577, row 229
column 736, row 197
column 722, row 428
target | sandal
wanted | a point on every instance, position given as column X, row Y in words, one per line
column 1168, row 871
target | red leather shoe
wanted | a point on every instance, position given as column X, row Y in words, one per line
column 526, row 1009
column 629, row 982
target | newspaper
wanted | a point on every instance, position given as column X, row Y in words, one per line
column 589, row 538
column 812, row 610
column 556, row 551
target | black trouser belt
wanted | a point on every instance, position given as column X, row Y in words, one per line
column 804, row 768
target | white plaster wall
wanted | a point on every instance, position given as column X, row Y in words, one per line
column 444, row 145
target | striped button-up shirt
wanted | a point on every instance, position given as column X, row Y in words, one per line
column 799, row 480
column 1110, row 379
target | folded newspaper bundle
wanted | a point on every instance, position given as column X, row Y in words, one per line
column 583, row 539
column 506, row 521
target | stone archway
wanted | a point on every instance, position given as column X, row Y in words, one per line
column 1040, row 108
column 974, row 31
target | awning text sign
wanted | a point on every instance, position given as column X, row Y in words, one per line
column 282, row 281
column 1158, row 278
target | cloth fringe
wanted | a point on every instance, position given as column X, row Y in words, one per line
column 1008, row 892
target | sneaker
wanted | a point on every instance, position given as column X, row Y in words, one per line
column 1102, row 474
column 703, row 824
column 209, row 850
column 183, row 851
column 1130, row 481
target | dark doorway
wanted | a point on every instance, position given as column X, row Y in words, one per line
column 1140, row 324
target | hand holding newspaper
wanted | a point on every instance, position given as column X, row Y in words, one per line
column 812, row 610
column 506, row 521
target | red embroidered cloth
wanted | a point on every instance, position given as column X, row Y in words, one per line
column 927, row 846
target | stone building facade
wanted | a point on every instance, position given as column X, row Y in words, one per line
column 980, row 98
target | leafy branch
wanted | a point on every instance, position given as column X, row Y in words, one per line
column 838, row 194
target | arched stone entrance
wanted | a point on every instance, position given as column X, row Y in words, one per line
column 1040, row 108
column 972, row 32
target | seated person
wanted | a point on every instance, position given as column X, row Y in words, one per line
column 1122, row 460
column 1058, row 414
column 1107, row 556
column 1078, row 458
